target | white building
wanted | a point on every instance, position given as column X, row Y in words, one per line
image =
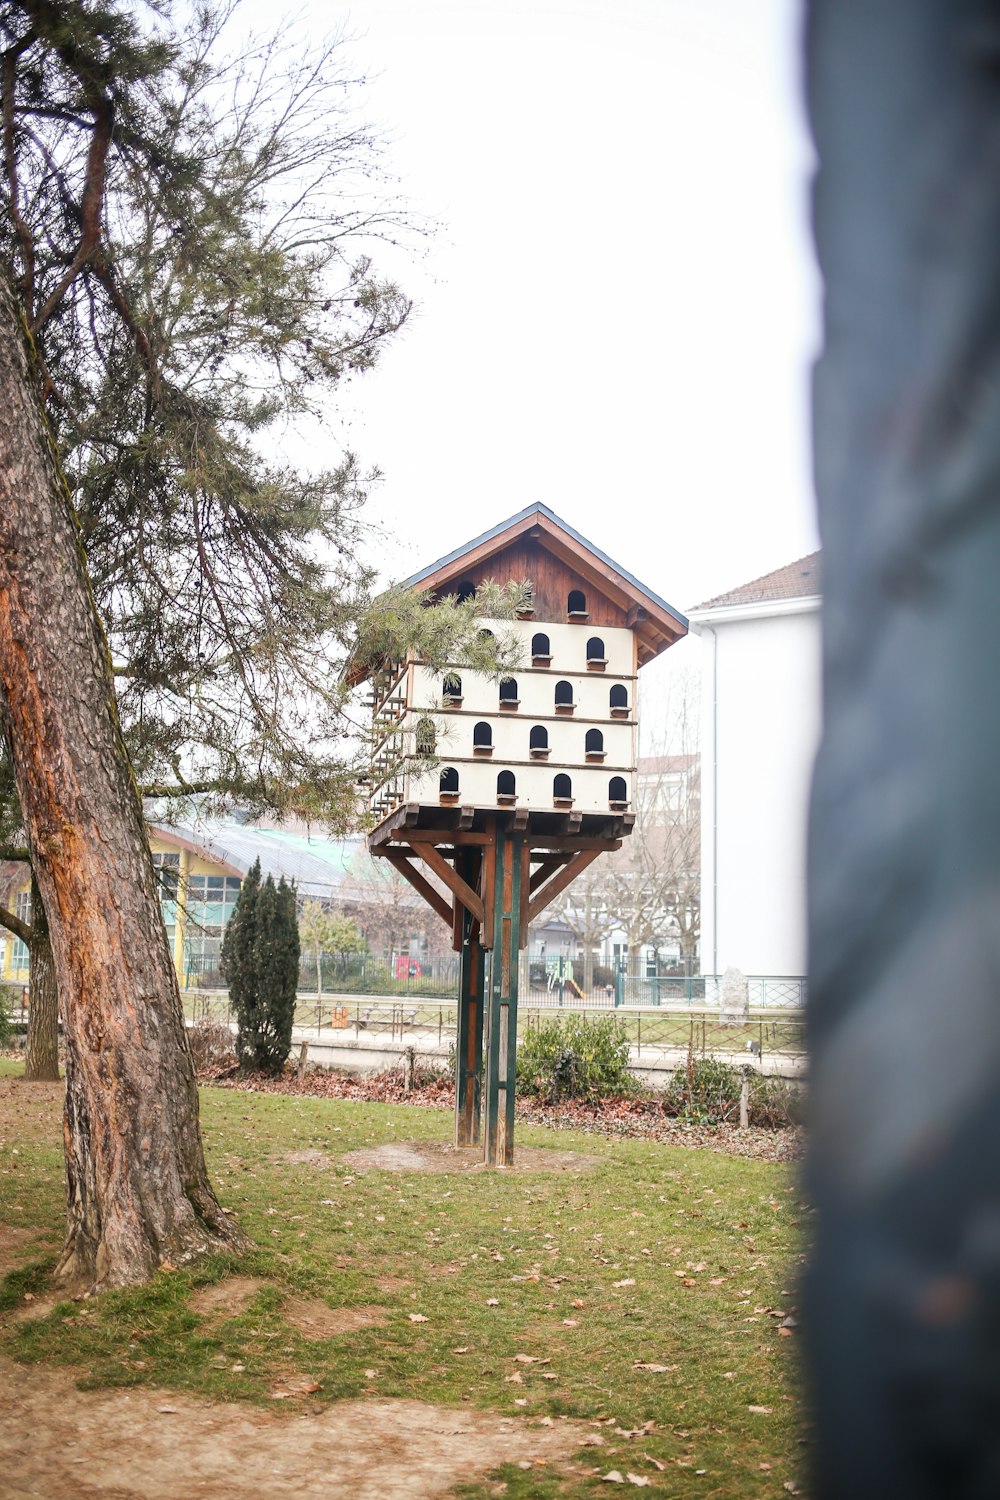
column 760, row 731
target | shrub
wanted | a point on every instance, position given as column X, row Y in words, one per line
column 212, row 1047
column 706, row 1091
column 260, row 961
column 775, row 1102
column 6, row 1029
column 575, row 1057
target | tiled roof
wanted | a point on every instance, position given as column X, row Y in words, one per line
column 796, row 580
column 660, row 765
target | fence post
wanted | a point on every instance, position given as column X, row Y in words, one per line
column 619, row 984
column 744, row 1102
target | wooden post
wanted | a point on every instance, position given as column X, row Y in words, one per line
column 469, row 1039
column 501, row 1041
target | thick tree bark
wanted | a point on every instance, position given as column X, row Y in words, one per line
column 137, row 1189
column 41, row 1055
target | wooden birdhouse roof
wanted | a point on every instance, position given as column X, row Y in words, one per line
column 537, row 545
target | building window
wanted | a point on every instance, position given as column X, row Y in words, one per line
column 506, row 787
column 576, row 605
column 541, row 651
column 618, row 699
column 168, row 875
column 482, row 739
column 562, row 789
column 564, row 697
column 508, row 693
column 538, row 742
column 596, row 659
column 19, row 950
column 594, row 745
column 452, row 689
column 618, row 793
column 167, row 868
column 210, row 901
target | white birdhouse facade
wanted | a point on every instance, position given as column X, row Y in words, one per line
column 560, row 734
column 557, row 735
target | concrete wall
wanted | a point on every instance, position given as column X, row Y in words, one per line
column 760, row 730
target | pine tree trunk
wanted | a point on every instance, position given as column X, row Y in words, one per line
column 137, row 1189
column 41, row 1057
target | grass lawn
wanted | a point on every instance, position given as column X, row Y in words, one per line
column 535, row 1293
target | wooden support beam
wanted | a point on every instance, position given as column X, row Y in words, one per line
column 457, row 837
column 436, row 862
column 423, row 887
column 568, row 844
column 560, row 881
column 549, row 865
column 486, row 886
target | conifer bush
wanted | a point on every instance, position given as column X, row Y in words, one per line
column 260, row 963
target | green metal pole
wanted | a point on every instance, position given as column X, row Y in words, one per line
column 469, row 1039
column 501, row 1044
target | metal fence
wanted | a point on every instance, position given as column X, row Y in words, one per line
column 545, row 980
column 428, row 1022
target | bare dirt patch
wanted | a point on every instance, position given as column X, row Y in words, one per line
column 315, row 1319
column 310, row 1157
column 231, row 1296
column 437, row 1156
column 20, row 1245
column 67, row 1444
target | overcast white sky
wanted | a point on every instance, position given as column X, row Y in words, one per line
column 618, row 314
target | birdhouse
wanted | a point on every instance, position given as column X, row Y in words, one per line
column 506, row 789
column 559, row 735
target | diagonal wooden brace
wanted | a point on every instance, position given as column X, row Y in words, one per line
column 434, row 898
column 460, row 888
column 560, row 881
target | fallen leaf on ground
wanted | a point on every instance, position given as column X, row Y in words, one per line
column 656, row 1369
column 462, row 1349
column 655, row 1462
column 527, row 1359
column 493, row 1302
column 761, row 1411
column 293, row 1385
column 626, row 1281
column 166, row 1409
column 417, row 1318
column 638, row 1479
column 613, row 1477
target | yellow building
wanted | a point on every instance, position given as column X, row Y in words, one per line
column 200, row 871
